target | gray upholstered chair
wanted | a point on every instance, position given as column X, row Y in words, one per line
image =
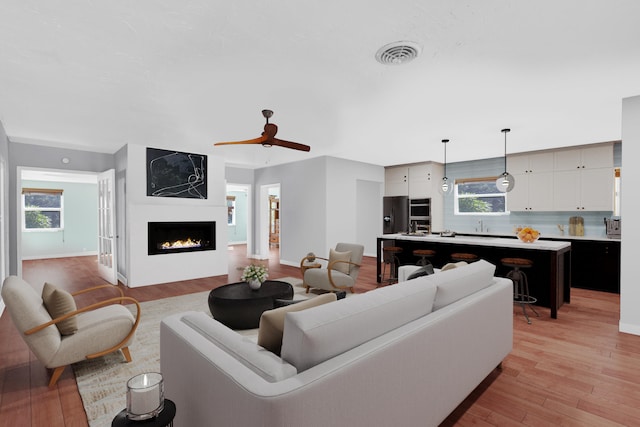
column 341, row 271
column 86, row 333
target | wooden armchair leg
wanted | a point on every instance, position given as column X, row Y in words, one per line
column 127, row 353
column 56, row 375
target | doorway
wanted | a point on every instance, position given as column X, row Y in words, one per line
column 239, row 214
column 270, row 220
column 78, row 205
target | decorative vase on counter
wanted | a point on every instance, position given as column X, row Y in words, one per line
column 254, row 284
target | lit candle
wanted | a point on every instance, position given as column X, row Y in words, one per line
column 144, row 395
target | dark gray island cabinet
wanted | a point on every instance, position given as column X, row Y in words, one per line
column 549, row 277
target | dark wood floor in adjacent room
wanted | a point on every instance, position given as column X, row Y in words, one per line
column 577, row 370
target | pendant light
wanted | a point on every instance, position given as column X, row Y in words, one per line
column 447, row 186
column 506, row 181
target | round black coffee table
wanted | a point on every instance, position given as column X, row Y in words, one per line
column 239, row 307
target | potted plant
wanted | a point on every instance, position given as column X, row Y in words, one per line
column 254, row 275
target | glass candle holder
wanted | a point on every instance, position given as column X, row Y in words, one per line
column 145, row 396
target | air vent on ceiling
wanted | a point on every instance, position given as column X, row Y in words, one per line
column 398, row 53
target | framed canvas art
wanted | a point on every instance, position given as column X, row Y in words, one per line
column 176, row 174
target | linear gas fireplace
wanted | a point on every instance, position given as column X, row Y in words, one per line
column 173, row 237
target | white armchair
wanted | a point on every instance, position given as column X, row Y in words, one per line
column 69, row 335
column 341, row 271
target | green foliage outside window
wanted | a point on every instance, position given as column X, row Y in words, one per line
column 480, row 197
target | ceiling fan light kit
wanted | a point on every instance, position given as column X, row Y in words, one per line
column 268, row 138
column 506, row 181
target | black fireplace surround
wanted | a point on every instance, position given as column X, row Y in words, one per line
column 174, row 237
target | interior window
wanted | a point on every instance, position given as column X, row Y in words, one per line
column 474, row 196
column 42, row 209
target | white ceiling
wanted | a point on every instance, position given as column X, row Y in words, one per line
column 97, row 74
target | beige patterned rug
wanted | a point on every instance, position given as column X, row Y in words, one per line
column 102, row 382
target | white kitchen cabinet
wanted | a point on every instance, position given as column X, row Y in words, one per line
column 592, row 157
column 584, row 190
column 530, row 163
column 532, row 192
column 396, row 181
column 424, row 179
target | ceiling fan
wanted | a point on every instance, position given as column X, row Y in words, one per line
column 268, row 138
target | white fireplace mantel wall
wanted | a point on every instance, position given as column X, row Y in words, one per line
column 144, row 269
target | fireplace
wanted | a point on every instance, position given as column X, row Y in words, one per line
column 174, row 237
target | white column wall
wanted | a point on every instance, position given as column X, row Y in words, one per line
column 630, row 211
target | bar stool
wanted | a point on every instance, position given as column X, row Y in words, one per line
column 424, row 255
column 390, row 257
column 461, row 256
column 521, row 285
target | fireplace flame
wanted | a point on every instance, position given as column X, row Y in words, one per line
column 189, row 243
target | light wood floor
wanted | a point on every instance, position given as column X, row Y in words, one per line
column 577, row 370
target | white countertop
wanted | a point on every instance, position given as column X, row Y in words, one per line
column 503, row 242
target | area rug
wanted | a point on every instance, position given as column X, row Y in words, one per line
column 102, row 382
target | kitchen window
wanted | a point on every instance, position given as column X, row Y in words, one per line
column 42, row 209
column 479, row 196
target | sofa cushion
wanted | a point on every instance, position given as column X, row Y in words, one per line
column 59, row 302
column 457, row 283
column 342, row 267
column 261, row 361
column 272, row 321
column 320, row 333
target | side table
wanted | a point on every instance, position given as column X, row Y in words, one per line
column 164, row 418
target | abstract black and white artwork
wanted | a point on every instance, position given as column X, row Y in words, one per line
column 176, row 174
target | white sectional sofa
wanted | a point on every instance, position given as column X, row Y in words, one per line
column 405, row 355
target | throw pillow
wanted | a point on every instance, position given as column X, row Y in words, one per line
column 422, row 271
column 59, row 302
column 272, row 321
column 453, row 265
column 342, row 267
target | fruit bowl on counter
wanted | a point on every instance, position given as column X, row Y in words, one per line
column 528, row 235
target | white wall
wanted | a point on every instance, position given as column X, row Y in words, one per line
column 144, row 269
column 319, row 205
column 630, row 210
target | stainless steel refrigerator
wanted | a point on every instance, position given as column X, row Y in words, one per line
column 395, row 214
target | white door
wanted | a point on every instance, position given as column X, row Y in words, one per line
column 107, row 260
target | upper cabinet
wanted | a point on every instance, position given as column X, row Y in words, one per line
column 533, row 190
column 424, row 179
column 396, row 181
column 597, row 156
column 584, row 179
column 530, row 163
column 570, row 179
column 416, row 181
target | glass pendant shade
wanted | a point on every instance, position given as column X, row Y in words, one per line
column 446, row 187
column 506, row 181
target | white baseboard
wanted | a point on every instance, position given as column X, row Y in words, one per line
column 629, row 328
column 89, row 253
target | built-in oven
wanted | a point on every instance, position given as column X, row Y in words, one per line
column 420, row 214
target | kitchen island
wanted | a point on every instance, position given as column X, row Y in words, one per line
column 549, row 278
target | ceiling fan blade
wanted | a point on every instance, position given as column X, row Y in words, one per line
column 288, row 144
column 259, row 140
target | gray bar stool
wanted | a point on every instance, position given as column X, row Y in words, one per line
column 461, row 256
column 424, row 255
column 520, row 284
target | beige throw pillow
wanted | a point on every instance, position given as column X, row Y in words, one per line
column 272, row 321
column 342, row 267
column 59, row 302
column 452, row 265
